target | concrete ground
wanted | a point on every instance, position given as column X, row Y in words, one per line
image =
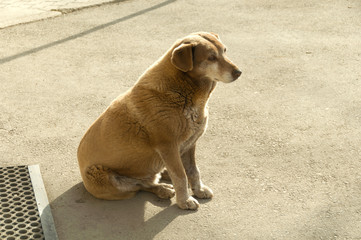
column 13, row 12
column 282, row 151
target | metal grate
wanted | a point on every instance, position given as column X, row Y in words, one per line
column 19, row 215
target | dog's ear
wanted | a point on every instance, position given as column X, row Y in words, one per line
column 215, row 34
column 182, row 57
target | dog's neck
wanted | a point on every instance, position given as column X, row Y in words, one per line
column 166, row 78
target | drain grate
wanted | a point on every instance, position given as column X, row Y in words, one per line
column 19, row 212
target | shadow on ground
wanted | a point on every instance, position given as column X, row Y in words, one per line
column 78, row 215
column 86, row 32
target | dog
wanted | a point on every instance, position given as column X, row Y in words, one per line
column 153, row 127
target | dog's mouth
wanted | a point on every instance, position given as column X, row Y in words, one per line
column 224, row 81
column 227, row 80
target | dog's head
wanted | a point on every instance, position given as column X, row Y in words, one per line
column 203, row 56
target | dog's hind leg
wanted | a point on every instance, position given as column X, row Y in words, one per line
column 162, row 190
column 165, row 175
column 104, row 183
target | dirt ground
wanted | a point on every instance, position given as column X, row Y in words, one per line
column 282, row 150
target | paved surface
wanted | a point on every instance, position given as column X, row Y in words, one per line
column 14, row 12
column 282, row 151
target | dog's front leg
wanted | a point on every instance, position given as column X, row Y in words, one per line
column 199, row 189
column 172, row 160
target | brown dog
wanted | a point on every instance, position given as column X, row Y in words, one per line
column 155, row 125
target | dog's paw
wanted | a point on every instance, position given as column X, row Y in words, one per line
column 203, row 192
column 190, row 204
column 165, row 191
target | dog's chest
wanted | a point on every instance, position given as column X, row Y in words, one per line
column 196, row 117
column 196, row 122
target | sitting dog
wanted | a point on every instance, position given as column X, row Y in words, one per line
column 154, row 126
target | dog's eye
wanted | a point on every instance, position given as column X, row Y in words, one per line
column 224, row 50
column 212, row 58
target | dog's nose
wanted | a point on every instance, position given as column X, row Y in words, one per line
column 236, row 73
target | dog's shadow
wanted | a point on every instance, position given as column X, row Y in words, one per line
column 78, row 215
